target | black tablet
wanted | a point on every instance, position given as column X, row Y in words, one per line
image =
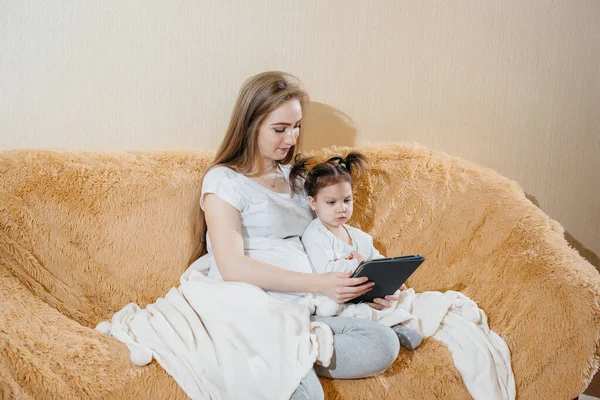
column 387, row 273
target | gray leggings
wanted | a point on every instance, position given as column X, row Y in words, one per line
column 361, row 348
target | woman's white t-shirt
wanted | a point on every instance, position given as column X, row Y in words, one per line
column 272, row 223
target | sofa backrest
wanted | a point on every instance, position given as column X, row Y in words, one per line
column 94, row 231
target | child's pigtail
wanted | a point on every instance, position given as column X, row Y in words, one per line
column 352, row 161
column 356, row 162
column 298, row 173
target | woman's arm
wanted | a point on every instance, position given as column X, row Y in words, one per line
column 224, row 226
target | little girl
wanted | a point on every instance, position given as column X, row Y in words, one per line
column 331, row 245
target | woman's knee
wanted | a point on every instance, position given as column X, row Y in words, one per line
column 362, row 348
column 387, row 341
column 389, row 345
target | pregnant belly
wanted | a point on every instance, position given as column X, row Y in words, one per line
column 283, row 253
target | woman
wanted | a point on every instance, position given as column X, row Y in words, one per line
column 255, row 221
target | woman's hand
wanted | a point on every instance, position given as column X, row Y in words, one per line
column 339, row 287
column 380, row 304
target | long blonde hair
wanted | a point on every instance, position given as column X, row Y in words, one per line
column 258, row 97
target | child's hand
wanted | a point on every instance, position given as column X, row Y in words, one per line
column 380, row 304
column 403, row 287
column 356, row 255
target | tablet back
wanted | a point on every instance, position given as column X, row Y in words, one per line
column 388, row 274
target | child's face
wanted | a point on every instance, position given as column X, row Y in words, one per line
column 333, row 204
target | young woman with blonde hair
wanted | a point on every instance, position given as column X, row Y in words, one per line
column 254, row 222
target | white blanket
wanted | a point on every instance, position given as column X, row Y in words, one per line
column 199, row 335
column 479, row 354
column 223, row 340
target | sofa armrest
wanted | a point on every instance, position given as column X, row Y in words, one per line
column 541, row 297
column 483, row 237
column 45, row 355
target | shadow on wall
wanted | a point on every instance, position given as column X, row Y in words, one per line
column 326, row 126
column 586, row 253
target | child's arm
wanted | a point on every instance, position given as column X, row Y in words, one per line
column 320, row 251
column 372, row 253
column 375, row 254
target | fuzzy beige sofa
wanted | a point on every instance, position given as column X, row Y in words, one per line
column 84, row 233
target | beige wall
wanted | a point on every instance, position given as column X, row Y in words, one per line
column 513, row 85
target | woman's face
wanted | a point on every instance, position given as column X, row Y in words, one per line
column 279, row 131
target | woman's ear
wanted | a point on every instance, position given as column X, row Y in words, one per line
column 312, row 203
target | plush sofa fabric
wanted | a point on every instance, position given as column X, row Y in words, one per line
column 84, row 233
